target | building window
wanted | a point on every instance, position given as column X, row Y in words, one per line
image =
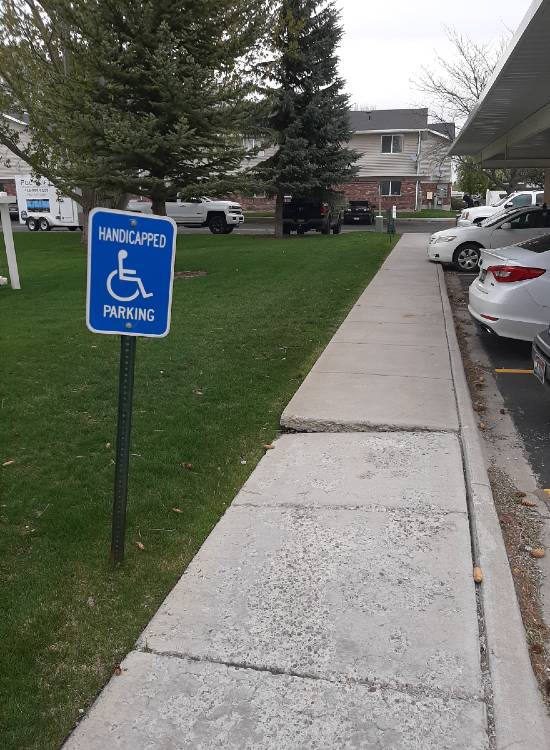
column 392, row 144
column 390, row 187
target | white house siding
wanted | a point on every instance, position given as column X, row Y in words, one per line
column 11, row 165
column 373, row 163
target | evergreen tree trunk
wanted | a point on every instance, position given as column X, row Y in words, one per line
column 159, row 205
column 279, row 215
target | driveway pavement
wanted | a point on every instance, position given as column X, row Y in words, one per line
column 333, row 605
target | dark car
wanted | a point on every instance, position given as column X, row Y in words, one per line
column 13, row 209
column 321, row 214
column 541, row 357
column 359, row 212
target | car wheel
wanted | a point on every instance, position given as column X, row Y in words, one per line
column 228, row 229
column 217, row 225
column 466, row 257
column 72, row 229
column 32, row 224
column 44, row 225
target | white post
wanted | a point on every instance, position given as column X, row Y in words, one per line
column 5, row 222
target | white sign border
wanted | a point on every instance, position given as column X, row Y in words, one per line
column 133, row 215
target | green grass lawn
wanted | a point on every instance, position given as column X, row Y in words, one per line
column 243, row 337
column 427, row 213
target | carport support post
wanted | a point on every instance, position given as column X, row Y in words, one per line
column 125, row 395
column 547, row 186
column 5, row 222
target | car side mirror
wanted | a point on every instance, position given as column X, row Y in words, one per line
column 509, row 204
column 506, row 225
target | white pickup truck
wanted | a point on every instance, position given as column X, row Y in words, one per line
column 519, row 199
column 221, row 217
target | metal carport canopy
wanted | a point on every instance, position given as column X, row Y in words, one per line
column 510, row 125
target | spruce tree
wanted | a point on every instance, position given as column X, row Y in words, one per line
column 148, row 97
column 309, row 118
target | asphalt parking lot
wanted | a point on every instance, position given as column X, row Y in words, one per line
column 411, row 225
column 525, row 399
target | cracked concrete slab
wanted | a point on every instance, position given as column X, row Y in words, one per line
column 333, row 593
column 420, row 472
column 348, row 401
column 164, row 703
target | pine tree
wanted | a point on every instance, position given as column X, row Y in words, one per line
column 147, row 97
column 309, row 113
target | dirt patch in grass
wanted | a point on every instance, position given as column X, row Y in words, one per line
column 189, row 274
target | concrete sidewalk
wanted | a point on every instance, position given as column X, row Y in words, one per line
column 333, row 605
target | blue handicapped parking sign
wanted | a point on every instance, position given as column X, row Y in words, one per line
column 130, row 273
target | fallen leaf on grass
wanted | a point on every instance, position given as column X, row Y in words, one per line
column 268, row 446
column 177, row 510
column 140, row 545
column 9, row 463
column 538, row 552
column 197, row 392
column 91, row 602
column 187, row 466
column 107, row 445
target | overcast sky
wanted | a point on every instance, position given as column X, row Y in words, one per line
column 386, row 43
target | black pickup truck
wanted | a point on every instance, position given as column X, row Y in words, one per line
column 321, row 215
column 359, row 212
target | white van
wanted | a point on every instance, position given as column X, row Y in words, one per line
column 42, row 206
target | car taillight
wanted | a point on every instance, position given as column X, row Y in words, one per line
column 324, row 208
column 509, row 274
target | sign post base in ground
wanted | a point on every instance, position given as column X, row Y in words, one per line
column 124, row 428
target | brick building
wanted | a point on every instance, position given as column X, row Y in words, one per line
column 402, row 161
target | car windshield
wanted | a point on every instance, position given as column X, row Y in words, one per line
column 537, row 244
column 495, row 218
column 502, row 201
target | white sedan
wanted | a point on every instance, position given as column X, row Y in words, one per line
column 461, row 246
column 511, row 295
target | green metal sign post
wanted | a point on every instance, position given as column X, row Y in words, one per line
column 125, row 398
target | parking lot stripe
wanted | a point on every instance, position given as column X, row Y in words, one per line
column 507, row 371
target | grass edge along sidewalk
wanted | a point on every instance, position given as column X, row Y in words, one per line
column 207, row 398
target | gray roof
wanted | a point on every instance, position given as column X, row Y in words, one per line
column 389, row 119
column 398, row 119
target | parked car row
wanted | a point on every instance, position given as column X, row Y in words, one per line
column 510, row 297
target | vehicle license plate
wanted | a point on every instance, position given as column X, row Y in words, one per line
column 539, row 368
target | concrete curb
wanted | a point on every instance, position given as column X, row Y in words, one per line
column 520, row 718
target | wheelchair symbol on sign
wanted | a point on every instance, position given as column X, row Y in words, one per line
column 126, row 275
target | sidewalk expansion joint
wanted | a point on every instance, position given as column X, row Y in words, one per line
column 430, row 510
column 380, row 374
column 372, row 684
column 328, row 427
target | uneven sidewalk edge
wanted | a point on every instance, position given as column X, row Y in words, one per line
column 513, row 682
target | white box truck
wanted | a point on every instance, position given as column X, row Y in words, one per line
column 42, row 206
